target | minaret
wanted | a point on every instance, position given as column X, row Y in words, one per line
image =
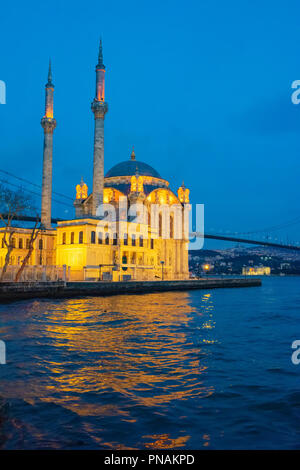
column 99, row 108
column 48, row 123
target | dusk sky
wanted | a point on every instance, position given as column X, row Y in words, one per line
column 202, row 89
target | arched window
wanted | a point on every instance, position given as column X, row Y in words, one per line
column 41, row 244
column 133, row 239
column 141, row 240
column 80, row 238
column 160, row 225
column 64, row 238
column 20, row 243
column 100, row 238
column 107, row 239
column 93, row 236
column 115, row 239
column 172, row 226
column 72, row 238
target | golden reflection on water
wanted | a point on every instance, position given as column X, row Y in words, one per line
column 143, row 351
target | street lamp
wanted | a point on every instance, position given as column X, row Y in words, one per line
column 162, row 270
column 206, row 268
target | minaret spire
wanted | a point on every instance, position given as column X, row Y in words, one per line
column 100, row 56
column 48, row 123
column 99, row 108
column 49, row 75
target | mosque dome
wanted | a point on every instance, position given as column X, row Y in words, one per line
column 131, row 167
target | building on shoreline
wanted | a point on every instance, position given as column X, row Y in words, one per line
column 256, row 270
column 131, row 226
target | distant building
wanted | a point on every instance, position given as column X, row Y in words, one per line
column 256, row 270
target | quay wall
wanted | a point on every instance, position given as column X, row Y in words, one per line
column 10, row 291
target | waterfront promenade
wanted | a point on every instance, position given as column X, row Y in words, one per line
column 60, row 289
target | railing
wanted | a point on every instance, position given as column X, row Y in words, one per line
column 35, row 274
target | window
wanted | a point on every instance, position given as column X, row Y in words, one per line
column 3, row 244
column 72, row 238
column 141, row 241
column 152, row 244
column 100, row 238
column 27, row 243
column 133, row 239
column 64, row 238
column 80, row 238
column 125, row 239
column 21, row 243
column 171, row 226
column 160, row 225
column 107, row 239
column 13, row 242
column 93, row 237
column 41, row 244
column 115, row 239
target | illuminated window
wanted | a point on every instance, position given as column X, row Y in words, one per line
column 93, row 237
column 152, row 244
column 107, row 239
column 72, row 238
column 21, row 243
column 115, row 239
column 41, row 244
column 100, row 238
column 64, row 238
column 27, row 243
column 80, row 238
column 141, row 240
column 133, row 239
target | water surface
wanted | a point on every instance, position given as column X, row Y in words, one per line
column 187, row 370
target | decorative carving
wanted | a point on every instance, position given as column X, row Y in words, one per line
column 48, row 124
column 99, row 109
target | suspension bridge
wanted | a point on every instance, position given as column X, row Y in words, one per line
column 231, row 237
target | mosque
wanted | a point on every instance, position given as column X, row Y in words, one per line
column 131, row 226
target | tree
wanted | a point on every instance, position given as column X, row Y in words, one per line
column 33, row 236
column 12, row 205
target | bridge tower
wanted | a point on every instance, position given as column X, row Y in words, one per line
column 99, row 108
column 48, row 124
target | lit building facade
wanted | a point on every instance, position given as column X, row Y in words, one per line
column 256, row 270
column 131, row 226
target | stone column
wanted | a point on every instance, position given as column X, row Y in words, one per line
column 48, row 123
column 99, row 109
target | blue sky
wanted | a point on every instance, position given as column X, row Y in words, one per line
column 201, row 88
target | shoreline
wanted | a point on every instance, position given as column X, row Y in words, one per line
column 37, row 290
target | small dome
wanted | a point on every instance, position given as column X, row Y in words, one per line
column 131, row 167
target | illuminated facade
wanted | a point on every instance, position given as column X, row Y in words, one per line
column 256, row 270
column 131, row 226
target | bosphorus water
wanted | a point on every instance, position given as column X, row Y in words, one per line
column 184, row 370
